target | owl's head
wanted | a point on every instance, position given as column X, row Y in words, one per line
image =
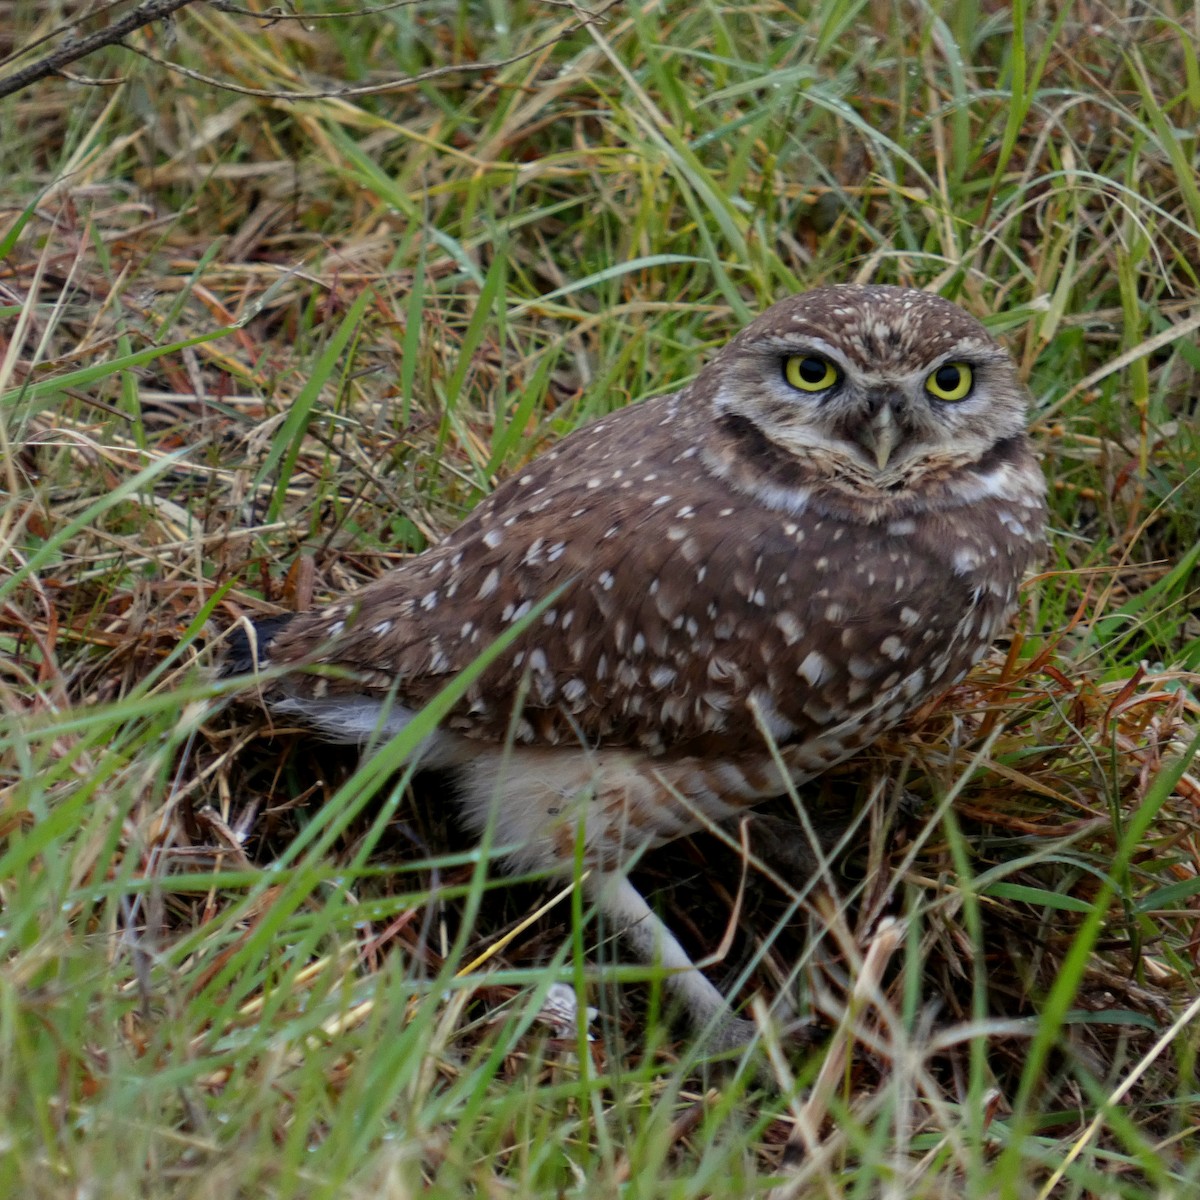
column 869, row 389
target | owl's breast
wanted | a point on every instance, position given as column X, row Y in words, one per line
column 866, row 623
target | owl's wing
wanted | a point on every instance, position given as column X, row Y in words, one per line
column 687, row 617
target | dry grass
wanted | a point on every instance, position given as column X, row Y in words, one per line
column 253, row 351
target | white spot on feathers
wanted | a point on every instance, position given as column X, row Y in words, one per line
column 489, row 585
column 814, row 668
column 791, row 629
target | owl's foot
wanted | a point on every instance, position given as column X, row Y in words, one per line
column 735, row 1034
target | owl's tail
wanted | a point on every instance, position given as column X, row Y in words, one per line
column 243, row 652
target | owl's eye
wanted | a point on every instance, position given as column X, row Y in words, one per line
column 951, row 381
column 810, row 373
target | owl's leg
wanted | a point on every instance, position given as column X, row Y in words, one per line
column 651, row 940
column 534, row 803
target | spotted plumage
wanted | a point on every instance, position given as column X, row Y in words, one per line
column 771, row 566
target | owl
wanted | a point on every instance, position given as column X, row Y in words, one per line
column 710, row 597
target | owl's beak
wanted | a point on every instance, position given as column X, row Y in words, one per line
column 880, row 436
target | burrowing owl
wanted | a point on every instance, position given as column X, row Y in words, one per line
column 752, row 578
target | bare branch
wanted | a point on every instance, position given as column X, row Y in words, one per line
column 273, row 15
column 67, row 27
column 158, row 10
column 376, row 89
column 73, row 50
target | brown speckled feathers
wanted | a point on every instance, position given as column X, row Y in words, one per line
column 826, row 527
column 682, row 600
column 702, row 601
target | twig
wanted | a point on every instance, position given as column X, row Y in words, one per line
column 72, row 51
column 66, row 27
column 273, row 15
column 376, row 89
column 158, row 10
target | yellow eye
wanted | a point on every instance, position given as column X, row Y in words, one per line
column 810, row 373
column 951, row 381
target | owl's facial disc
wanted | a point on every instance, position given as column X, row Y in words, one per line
column 873, row 394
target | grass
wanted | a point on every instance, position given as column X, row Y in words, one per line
column 254, row 351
